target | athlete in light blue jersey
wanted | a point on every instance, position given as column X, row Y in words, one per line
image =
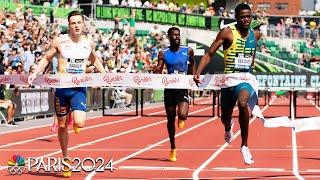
column 178, row 60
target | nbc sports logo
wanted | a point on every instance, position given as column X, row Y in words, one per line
column 16, row 165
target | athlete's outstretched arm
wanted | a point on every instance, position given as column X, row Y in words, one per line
column 258, row 35
column 45, row 60
column 191, row 61
column 212, row 50
column 158, row 69
column 95, row 60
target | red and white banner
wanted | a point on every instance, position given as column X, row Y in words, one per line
column 133, row 80
column 150, row 81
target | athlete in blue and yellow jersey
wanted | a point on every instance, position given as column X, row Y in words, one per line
column 74, row 50
column 178, row 60
column 239, row 46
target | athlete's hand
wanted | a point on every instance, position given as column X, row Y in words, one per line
column 196, row 79
column 31, row 78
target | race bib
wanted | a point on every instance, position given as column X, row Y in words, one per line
column 76, row 65
column 242, row 62
column 178, row 72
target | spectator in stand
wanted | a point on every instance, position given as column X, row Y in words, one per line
column 132, row 22
column 28, row 57
column 138, row 3
column 5, row 103
column 305, row 61
column 10, row 107
column 313, row 33
column 303, row 25
column 210, row 11
column 162, row 5
column 131, row 3
column 124, row 3
column 114, row 2
column 201, row 9
column 265, row 50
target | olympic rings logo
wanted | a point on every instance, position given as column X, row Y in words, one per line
column 13, row 170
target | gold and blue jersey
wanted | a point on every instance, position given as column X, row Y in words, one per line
column 239, row 56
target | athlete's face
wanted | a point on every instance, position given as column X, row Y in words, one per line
column 76, row 25
column 175, row 37
column 244, row 18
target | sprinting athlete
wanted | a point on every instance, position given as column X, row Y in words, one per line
column 239, row 46
column 177, row 58
column 74, row 51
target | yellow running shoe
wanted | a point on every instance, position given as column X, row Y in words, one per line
column 67, row 171
column 76, row 129
column 173, row 155
column 180, row 123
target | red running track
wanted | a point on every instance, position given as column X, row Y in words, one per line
column 139, row 148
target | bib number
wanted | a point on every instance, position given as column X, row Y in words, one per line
column 75, row 65
column 243, row 62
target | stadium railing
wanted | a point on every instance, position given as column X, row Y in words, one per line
column 284, row 64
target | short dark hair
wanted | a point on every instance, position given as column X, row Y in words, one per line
column 75, row 13
column 241, row 7
column 172, row 29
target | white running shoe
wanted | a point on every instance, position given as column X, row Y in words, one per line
column 228, row 136
column 247, row 157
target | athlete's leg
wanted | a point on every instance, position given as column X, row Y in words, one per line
column 244, row 91
column 170, row 106
column 54, row 125
column 183, row 106
column 78, row 104
column 79, row 117
column 64, row 139
column 63, row 134
column 244, row 115
column 171, row 115
column 62, row 109
column 228, row 100
column 183, row 109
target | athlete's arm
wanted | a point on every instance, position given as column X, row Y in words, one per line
column 95, row 60
column 257, row 34
column 158, row 69
column 221, row 37
column 192, row 64
column 45, row 60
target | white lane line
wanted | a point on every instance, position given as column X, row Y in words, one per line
column 156, row 168
column 195, row 174
column 295, row 165
column 36, row 127
column 154, row 149
column 313, row 170
column 112, row 136
column 85, row 128
column 248, row 169
column 89, row 176
column 47, row 125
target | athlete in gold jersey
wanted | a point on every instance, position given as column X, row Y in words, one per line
column 239, row 46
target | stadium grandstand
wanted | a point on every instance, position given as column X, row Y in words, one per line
column 128, row 36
